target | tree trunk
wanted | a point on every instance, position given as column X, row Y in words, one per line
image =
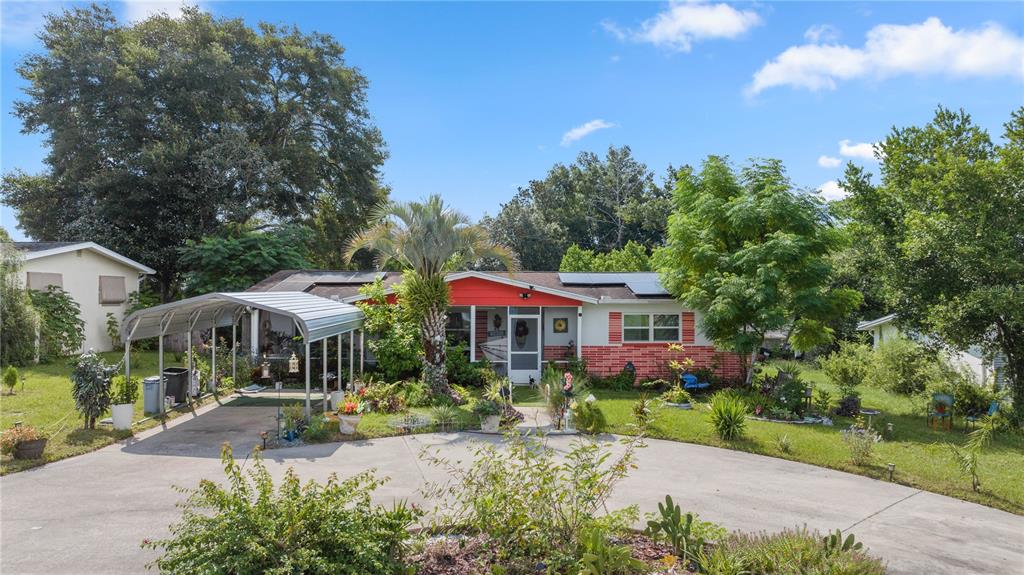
column 435, row 370
column 1015, row 379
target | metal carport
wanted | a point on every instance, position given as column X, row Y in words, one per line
column 316, row 318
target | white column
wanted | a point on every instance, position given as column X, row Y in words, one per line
column 127, row 359
column 160, row 367
column 324, row 375
column 362, row 353
column 338, row 372
column 234, row 349
column 472, row 333
column 213, row 352
column 308, row 408
column 254, row 334
column 579, row 332
column 352, row 358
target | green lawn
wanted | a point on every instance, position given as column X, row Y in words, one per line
column 46, row 404
column 923, row 457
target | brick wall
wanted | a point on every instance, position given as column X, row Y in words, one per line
column 651, row 359
column 614, row 327
column 557, row 352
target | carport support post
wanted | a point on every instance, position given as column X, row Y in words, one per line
column 324, row 375
column 339, row 363
column 213, row 352
column 351, row 358
column 361, row 352
column 234, row 348
column 308, row 408
column 160, row 367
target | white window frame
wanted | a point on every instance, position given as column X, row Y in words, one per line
column 651, row 328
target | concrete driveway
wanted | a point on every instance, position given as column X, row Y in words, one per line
column 88, row 514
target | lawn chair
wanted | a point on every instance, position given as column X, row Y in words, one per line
column 690, row 383
column 940, row 411
column 972, row 420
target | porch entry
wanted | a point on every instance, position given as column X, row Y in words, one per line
column 515, row 340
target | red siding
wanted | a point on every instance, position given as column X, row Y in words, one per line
column 651, row 359
column 689, row 331
column 477, row 291
column 614, row 327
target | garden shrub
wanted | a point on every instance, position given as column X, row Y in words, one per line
column 969, row 398
column 394, row 334
column 382, row 398
column 728, row 415
column 10, row 378
column 415, row 393
column 529, row 504
column 861, row 440
column 848, row 366
column 61, row 329
column 247, row 525
column 902, row 366
column 587, row 416
column 18, row 319
column 316, row 431
column 463, row 372
column 781, row 394
column 90, row 387
column 622, row 381
column 676, row 394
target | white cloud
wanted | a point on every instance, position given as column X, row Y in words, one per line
column 829, row 162
column 831, row 191
column 684, row 23
column 822, row 33
column 136, row 10
column 580, row 132
column 862, row 150
column 928, row 48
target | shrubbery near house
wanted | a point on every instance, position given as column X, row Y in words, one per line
column 728, row 415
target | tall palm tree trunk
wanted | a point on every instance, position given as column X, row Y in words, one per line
column 435, row 370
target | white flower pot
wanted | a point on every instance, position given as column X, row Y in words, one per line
column 490, row 423
column 122, row 415
column 679, row 405
column 337, row 398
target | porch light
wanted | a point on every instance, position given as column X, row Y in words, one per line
column 293, row 363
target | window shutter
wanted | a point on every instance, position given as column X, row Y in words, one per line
column 689, row 331
column 112, row 290
column 615, row 327
column 39, row 281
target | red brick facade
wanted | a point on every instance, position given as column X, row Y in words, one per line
column 651, row 359
column 689, row 330
column 558, row 352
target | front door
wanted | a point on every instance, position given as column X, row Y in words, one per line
column 524, row 346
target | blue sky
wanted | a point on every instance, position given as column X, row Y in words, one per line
column 475, row 99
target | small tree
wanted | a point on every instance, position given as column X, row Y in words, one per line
column 62, row 330
column 752, row 254
column 396, row 335
column 90, row 386
column 19, row 321
column 10, row 378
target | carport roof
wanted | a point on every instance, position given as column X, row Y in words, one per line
column 316, row 317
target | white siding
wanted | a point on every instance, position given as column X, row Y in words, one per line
column 81, row 271
column 550, row 314
column 595, row 319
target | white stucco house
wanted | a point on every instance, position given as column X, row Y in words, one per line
column 985, row 370
column 100, row 280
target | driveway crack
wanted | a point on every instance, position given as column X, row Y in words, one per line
column 415, row 458
column 889, row 506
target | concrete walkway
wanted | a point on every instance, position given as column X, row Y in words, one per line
column 88, row 514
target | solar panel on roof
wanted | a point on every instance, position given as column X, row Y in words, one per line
column 646, row 288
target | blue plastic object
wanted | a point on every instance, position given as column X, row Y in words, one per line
column 690, row 382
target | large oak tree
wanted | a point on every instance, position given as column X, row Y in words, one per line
column 946, row 223
column 166, row 130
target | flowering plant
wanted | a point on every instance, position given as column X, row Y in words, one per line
column 15, row 435
column 350, row 408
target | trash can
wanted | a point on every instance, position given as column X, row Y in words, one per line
column 176, row 382
column 151, row 394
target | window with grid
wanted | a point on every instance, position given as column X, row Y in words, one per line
column 650, row 327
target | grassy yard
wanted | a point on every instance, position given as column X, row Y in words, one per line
column 923, row 457
column 46, row 404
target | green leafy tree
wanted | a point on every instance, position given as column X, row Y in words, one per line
column 165, row 130
column 61, row 328
column 947, row 219
column 19, row 321
column 241, row 258
column 90, row 387
column 596, row 203
column 752, row 254
column 428, row 239
column 395, row 340
column 631, row 258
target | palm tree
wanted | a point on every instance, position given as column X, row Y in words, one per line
column 427, row 240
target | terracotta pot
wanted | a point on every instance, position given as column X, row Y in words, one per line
column 30, row 449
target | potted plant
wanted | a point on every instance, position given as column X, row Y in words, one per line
column 676, row 396
column 124, row 394
column 24, row 441
column 294, row 416
column 489, row 413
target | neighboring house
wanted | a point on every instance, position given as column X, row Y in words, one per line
column 98, row 279
column 885, row 329
column 521, row 321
